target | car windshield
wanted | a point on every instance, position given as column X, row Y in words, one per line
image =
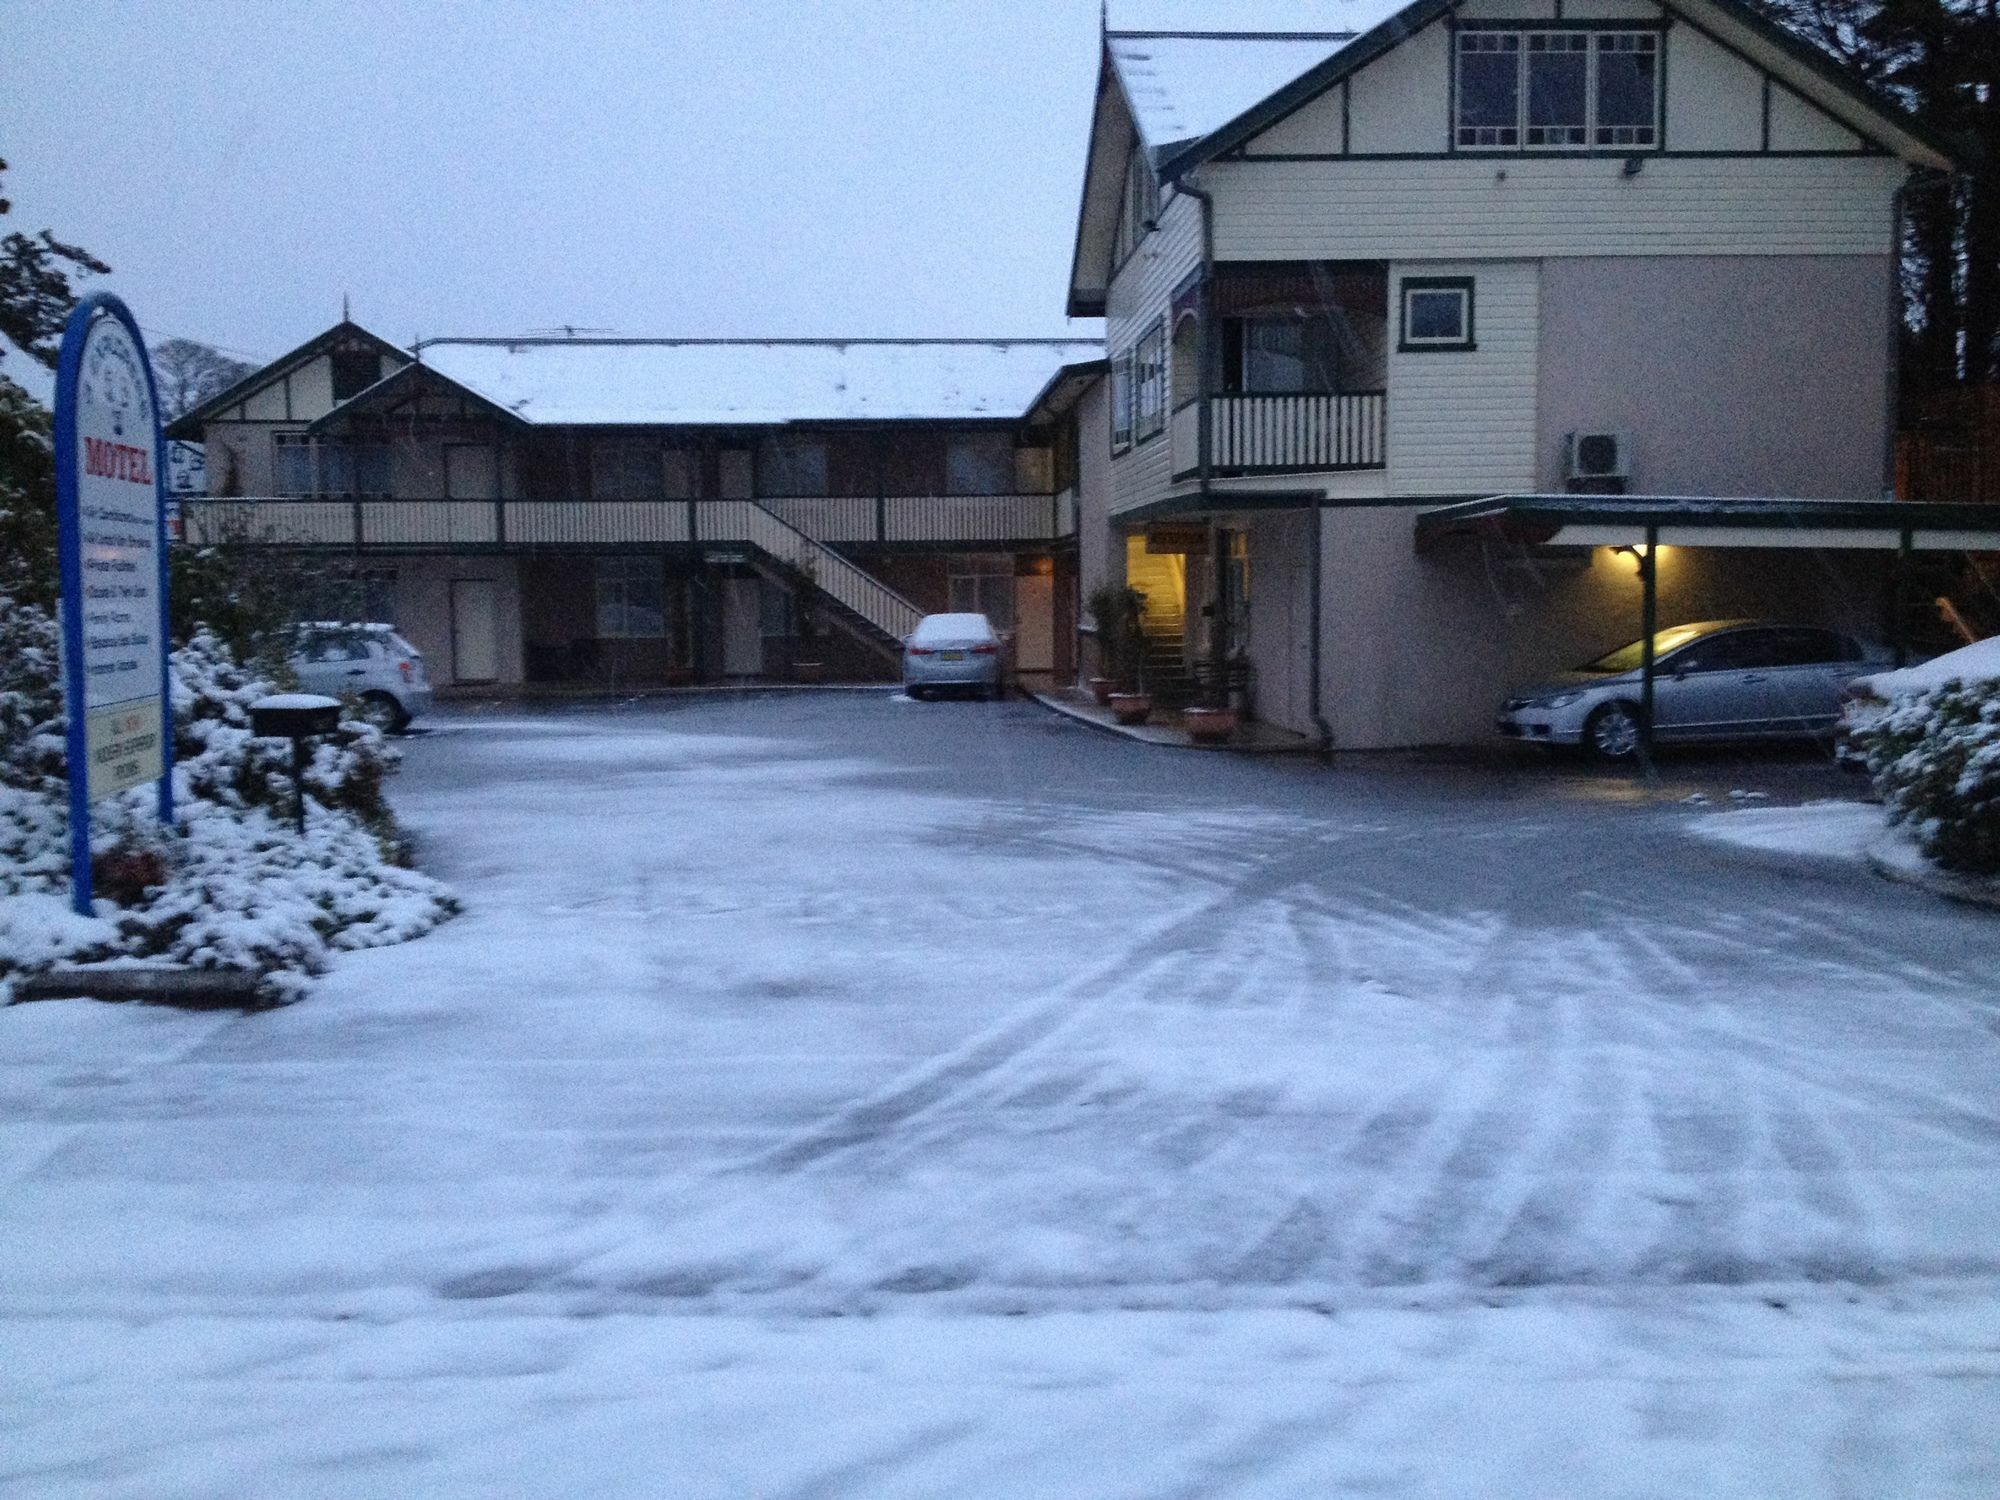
column 1627, row 658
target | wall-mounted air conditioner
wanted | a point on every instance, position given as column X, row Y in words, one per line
column 1598, row 455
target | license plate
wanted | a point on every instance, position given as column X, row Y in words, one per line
column 951, row 656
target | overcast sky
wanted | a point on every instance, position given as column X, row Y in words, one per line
column 686, row 167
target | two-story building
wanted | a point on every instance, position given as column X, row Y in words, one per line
column 630, row 512
column 1396, row 258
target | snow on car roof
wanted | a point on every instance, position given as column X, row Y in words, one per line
column 1188, row 71
column 955, row 625
column 621, row 382
column 1979, row 662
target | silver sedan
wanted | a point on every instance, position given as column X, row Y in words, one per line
column 1715, row 680
column 953, row 651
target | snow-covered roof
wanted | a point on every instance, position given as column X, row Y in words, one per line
column 635, row 382
column 1188, row 71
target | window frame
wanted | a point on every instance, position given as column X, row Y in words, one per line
column 1121, row 403
column 1466, row 342
column 612, row 579
column 1149, row 383
column 1594, row 52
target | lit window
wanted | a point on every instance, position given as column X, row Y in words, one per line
column 1437, row 312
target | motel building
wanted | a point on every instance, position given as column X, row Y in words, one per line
column 611, row 514
column 1445, row 344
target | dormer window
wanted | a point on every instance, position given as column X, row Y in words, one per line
column 1574, row 89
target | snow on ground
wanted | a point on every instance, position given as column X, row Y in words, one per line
column 862, row 1101
column 1821, row 830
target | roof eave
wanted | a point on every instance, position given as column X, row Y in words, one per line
column 354, row 404
column 1316, row 80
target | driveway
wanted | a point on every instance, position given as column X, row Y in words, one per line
column 826, row 1094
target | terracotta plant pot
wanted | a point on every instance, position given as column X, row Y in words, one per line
column 1209, row 726
column 1100, row 689
column 1130, row 708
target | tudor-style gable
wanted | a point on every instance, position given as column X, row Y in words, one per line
column 301, row 385
column 1543, row 77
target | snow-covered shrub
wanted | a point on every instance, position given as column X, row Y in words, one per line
column 1935, row 757
column 242, row 889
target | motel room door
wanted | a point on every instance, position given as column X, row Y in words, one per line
column 475, row 630
column 742, row 627
column 1034, row 622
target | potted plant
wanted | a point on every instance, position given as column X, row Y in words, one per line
column 1209, row 724
column 1121, row 642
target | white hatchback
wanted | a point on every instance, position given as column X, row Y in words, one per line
column 953, row 651
column 369, row 663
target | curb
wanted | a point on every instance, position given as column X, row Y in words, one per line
column 1890, row 857
column 186, row 989
column 1138, row 735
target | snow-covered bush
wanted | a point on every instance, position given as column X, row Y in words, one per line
column 232, row 885
column 1935, row 757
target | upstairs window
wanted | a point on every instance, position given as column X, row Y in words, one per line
column 981, row 464
column 1149, row 379
column 791, row 466
column 309, row 467
column 1437, row 313
column 1139, row 208
column 354, row 370
column 1121, row 401
column 1568, row 90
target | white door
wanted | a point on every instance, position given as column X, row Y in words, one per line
column 475, row 630
column 1034, row 623
column 742, row 627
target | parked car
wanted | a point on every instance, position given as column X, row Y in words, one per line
column 369, row 663
column 1713, row 680
column 951, row 652
column 1867, row 698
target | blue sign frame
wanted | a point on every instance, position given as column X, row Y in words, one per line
column 69, row 555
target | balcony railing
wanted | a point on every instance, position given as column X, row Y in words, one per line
column 1268, row 434
column 362, row 524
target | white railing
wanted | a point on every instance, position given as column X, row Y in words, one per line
column 1269, row 432
column 584, row 523
column 351, row 523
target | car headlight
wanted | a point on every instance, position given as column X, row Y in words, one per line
column 1557, row 700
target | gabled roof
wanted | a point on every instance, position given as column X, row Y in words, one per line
column 406, row 383
column 1786, row 56
column 725, row 382
column 1182, row 85
column 1193, row 85
column 188, row 424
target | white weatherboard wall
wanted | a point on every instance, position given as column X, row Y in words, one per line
column 1141, row 292
column 1529, row 207
column 1463, row 421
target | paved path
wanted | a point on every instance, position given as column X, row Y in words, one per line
column 832, row 1095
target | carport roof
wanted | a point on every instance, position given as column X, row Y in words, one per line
column 1703, row 521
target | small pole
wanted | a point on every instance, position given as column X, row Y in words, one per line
column 1899, row 602
column 1649, row 616
column 299, row 782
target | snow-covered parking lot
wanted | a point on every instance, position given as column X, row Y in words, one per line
column 827, row 1095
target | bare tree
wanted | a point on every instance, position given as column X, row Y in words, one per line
column 189, row 373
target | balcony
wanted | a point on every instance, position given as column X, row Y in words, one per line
column 419, row 525
column 1283, row 434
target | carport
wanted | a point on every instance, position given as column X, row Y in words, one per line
column 1642, row 524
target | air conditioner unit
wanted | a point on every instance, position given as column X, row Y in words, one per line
column 1598, row 455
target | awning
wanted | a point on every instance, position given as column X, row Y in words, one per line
column 1700, row 521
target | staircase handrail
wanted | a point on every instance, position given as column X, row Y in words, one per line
column 852, row 587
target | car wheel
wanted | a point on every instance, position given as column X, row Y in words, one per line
column 1612, row 733
column 384, row 712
